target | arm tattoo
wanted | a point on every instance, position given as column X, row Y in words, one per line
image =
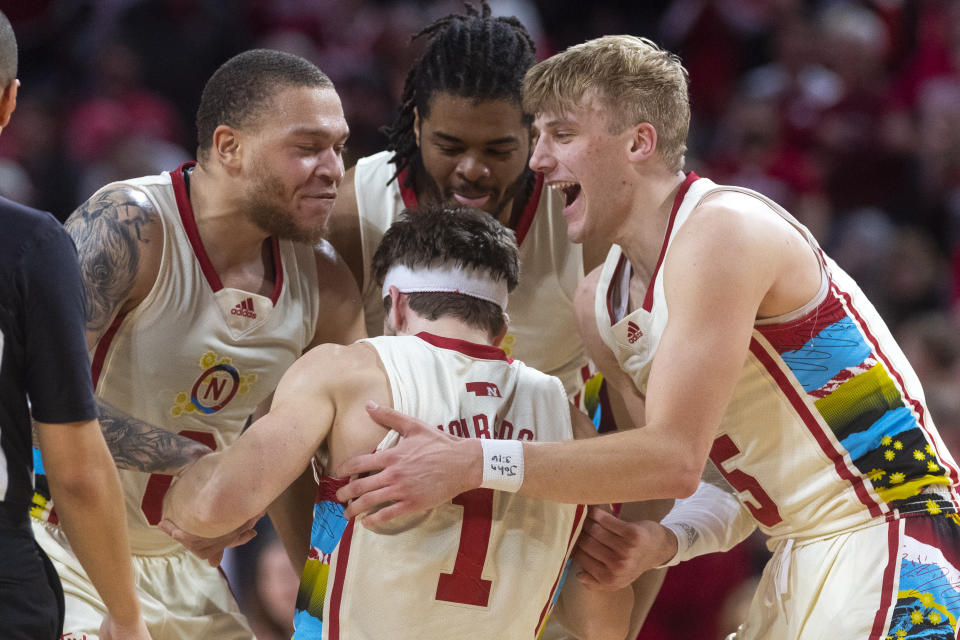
column 108, row 231
column 139, row 446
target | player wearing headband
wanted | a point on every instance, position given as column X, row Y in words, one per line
column 486, row 564
column 462, row 138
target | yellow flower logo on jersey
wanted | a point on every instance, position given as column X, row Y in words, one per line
column 216, row 386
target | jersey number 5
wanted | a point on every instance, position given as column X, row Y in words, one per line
column 766, row 513
column 159, row 483
column 465, row 585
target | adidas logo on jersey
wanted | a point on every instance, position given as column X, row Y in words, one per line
column 633, row 332
column 484, row 389
column 244, row 309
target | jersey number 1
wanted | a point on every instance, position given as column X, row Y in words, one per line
column 465, row 585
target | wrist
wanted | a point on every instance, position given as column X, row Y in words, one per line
column 502, row 468
column 125, row 613
column 675, row 541
column 670, row 545
column 473, row 452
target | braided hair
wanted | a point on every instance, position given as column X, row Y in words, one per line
column 471, row 56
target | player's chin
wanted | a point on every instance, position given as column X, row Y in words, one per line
column 576, row 227
column 315, row 215
column 309, row 231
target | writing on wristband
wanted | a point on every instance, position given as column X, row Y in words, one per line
column 502, row 464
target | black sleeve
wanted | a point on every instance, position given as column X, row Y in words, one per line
column 57, row 366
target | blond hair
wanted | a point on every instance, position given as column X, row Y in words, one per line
column 634, row 80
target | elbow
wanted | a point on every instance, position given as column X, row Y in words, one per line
column 686, row 487
column 198, row 511
column 209, row 515
column 205, row 518
column 686, row 480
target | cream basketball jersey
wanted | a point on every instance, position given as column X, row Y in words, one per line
column 195, row 358
column 827, row 428
column 486, row 564
column 542, row 331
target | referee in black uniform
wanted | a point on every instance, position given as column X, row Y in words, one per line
column 45, row 373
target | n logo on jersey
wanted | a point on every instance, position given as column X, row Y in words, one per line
column 214, row 388
column 484, row 389
column 633, row 332
column 245, row 309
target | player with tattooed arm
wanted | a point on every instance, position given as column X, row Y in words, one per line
column 204, row 284
column 45, row 379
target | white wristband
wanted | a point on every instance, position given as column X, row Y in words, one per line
column 708, row 521
column 502, row 464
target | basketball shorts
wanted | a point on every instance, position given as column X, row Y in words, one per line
column 893, row 581
column 181, row 596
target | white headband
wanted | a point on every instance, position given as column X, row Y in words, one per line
column 476, row 283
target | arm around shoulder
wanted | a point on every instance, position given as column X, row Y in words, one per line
column 222, row 490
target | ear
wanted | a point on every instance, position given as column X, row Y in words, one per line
column 497, row 339
column 8, row 101
column 226, row 146
column 416, row 125
column 642, row 142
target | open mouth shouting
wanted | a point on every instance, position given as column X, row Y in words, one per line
column 570, row 190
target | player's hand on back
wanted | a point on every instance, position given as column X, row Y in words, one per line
column 613, row 552
column 427, row 468
column 211, row 549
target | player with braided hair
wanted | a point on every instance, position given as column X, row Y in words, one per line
column 500, row 50
column 461, row 138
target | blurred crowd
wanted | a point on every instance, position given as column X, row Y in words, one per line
column 847, row 112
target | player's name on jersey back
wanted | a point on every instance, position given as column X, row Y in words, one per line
column 483, row 426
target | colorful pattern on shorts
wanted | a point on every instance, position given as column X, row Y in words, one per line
column 928, row 594
column 858, row 398
column 328, row 527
